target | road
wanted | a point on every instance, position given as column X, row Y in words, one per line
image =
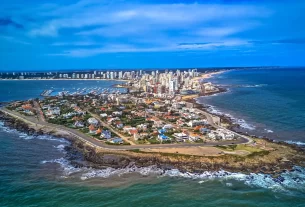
column 98, row 144
column 210, row 119
column 126, row 139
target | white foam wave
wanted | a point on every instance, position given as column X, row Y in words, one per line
column 293, row 180
column 66, row 166
column 105, row 173
column 254, row 86
column 51, row 138
column 22, row 135
column 241, row 122
column 286, row 181
column 296, row 142
column 268, row 130
column 61, row 148
column 25, row 136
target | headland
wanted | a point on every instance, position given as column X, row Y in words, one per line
column 156, row 123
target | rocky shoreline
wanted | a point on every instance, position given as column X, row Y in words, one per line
column 82, row 155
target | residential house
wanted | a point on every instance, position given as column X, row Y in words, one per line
column 93, row 121
column 117, row 141
column 92, row 129
column 103, row 115
column 194, row 123
column 167, row 126
column 117, row 113
column 193, row 137
column 53, row 111
column 204, row 130
column 142, row 127
column 181, row 137
column 162, row 137
column 79, row 124
column 119, row 124
column 105, row 134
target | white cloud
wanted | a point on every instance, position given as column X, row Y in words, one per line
column 169, row 16
column 14, row 40
column 218, row 31
column 124, row 48
column 126, row 27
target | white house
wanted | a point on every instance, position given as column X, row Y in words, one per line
column 181, row 136
column 194, row 123
column 104, row 115
column 93, row 121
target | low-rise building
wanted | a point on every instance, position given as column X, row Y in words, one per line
column 93, row 121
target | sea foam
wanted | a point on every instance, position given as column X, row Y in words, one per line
column 241, row 122
column 287, row 181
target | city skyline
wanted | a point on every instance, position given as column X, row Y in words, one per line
column 150, row 34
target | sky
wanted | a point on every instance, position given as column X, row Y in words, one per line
column 96, row 34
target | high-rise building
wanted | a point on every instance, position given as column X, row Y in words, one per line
column 172, row 86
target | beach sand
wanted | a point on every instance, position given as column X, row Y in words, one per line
column 207, row 75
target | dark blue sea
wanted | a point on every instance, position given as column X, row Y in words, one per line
column 267, row 102
column 35, row 171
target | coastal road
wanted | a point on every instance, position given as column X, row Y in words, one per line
column 98, row 144
column 211, row 120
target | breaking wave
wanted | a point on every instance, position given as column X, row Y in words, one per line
column 241, row 122
column 26, row 136
column 290, row 180
column 296, row 143
column 254, row 86
column 65, row 164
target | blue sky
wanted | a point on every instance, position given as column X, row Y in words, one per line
column 45, row 35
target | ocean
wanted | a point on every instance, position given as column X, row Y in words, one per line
column 37, row 171
column 266, row 102
column 25, row 89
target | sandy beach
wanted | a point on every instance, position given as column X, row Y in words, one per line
column 207, row 75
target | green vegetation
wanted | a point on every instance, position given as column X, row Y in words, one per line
column 154, row 141
column 260, row 153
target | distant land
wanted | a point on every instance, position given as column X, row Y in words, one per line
column 102, row 73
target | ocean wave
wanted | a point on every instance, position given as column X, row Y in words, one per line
column 61, row 148
column 241, row 122
column 26, row 136
column 22, row 135
column 268, row 130
column 290, row 180
column 254, row 86
column 285, row 182
column 51, row 138
column 296, row 143
column 67, row 167
column 105, row 173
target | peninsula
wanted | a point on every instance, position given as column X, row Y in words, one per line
column 156, row 122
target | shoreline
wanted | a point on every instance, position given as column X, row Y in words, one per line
column 64, row 79
column 231, row 120
column 272, row 158
column 100, row 158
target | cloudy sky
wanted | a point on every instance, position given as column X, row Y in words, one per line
column 44, row 35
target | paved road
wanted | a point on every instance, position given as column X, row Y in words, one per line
column 95, row 143
column 210, row 119
column 125, row 138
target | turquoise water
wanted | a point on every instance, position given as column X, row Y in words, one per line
column 271, row 101
column 37, row 171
